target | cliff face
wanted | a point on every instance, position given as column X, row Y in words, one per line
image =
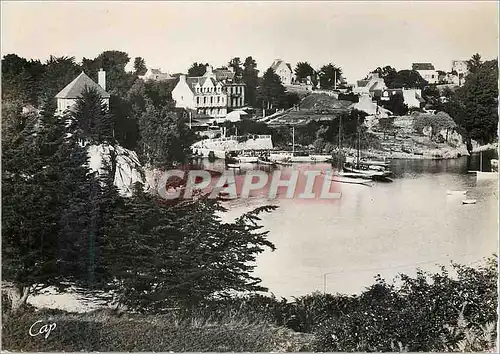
column 125, row 164
column 403, row 141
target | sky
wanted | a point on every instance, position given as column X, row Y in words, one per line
column 357, row 36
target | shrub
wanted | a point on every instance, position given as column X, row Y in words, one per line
column 418, row 314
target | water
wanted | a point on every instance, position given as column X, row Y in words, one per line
column 387, row 229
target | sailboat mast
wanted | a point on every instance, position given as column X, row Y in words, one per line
column 359, row 141
column 340, row 145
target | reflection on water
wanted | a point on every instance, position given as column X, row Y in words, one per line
column 386, row 229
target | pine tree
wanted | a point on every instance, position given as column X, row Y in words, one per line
column 92, row 117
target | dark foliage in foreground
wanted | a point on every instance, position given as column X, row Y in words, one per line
column 430, row 312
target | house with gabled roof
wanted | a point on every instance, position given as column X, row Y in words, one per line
column 156, row 75
column 214, row 94
column 373, row 86
column 67, row 97
column 284, row 71
column 427, row 71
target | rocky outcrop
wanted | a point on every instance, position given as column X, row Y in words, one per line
column 125, row 164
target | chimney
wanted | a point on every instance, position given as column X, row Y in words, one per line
column 101, row 79
column 209, row 69
column 182, row 78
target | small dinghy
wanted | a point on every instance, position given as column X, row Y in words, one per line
column 233, row 165
column 456, row 192
column 469, row 201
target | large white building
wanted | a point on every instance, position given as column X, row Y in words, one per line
column 67, row 97
column 284, row 71
column 214, row 94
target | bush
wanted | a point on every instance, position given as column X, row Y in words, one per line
column 418, row 315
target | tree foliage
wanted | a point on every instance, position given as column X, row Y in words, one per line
column 237, row 67
column 407, row 79
column 388, row 73
column 250, row 78
column 474, row 106
column 396, row 104
column 197, row 69
column 140, row 66
column 165, row 139
column 303, row 70
column 271, row 92
column 330, row 76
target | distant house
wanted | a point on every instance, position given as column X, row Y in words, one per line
column 214, row 94
column 156, row 75
column 427, row 71
column 412, row 97
column 460, row 69
column 372, row 86
column 67, row 97
column 284, row 71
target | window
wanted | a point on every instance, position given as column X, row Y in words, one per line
column 218, row 99
column 211, row 99
column 197, row 100
column 204, row 100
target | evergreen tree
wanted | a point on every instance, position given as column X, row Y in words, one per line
column 140, row 66
column 165, row 255
column 235, row 63
column 250, row 78
column 303, row 70
column 33, row 165
column 271, row 92
column 330, row 76
column 92, row 117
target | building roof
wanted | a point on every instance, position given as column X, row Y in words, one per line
column 277, row 63
column 192, row 81
column 75, row 88
column 362, row 83
column 422, row 66
column 223, row 74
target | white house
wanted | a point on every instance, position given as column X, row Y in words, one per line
column 412, row 97
column 212, row 94
column 427, row 71
column 66, row 98
column 461, row 69
column 372, row 86
column 284, row 71
column 156, row 75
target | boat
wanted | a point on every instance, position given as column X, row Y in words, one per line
column 263, row 161
column 456, row 192
column 247, row 159
column 233, row 165
column 381, row 163
column 344, row 179
column 283, row 163
column 375, row 175
column 469, row 201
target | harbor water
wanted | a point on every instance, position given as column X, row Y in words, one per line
column 386, row 229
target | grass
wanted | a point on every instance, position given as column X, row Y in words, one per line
column 102, row 331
